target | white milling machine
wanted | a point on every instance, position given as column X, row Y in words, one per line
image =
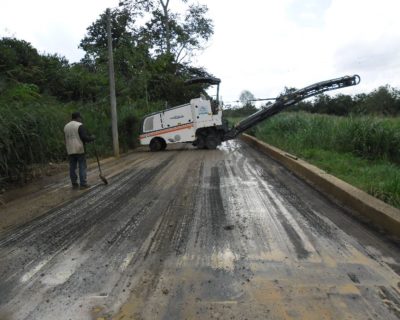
column 200, row 122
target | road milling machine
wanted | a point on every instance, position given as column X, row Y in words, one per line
column 201, row 123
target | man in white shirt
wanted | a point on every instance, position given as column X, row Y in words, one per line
column 75, row 138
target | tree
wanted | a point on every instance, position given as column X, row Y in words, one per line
column 144, row 69
column 170, row 33
column 246, row 97
column 384, row 100
column 95, row 41
column 55, row 70
column 19, row 61
column 131, row 56
column 246, row 109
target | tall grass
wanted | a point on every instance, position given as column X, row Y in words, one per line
column 364, row 151
column 28, row 135
column 31, row 132
column 371, row 138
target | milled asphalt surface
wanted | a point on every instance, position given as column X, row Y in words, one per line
column 198, row 234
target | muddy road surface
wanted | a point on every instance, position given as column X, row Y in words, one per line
column 197, row 234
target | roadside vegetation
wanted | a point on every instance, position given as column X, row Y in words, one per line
column 354, row 138
column 39, row 91
column 364, row 151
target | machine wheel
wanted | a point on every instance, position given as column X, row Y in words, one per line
column 156, row 144
column 200, row 142
column 163, row 145
column 212, row 142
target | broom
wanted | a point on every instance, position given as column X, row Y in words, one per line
column 103, row 178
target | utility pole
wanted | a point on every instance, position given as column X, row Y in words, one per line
column 113, row 100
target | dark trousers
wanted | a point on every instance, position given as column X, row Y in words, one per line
column 74, row 161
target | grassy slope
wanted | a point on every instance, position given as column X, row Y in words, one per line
column 31, row 132
column 364, row 151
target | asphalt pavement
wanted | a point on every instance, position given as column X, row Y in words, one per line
column 197, row 234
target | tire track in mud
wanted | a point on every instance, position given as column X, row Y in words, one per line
column 34, row 200
column 318, row 216
column 95, row 200
column 109, row 277
column 210, row 251
column 62, row 227
column 169, row 237
column 216, row 257
column 206, row 213
column 271, row 202
column 319, row 224
column 65, row 223
column 152, row 245
column 333, row 240
column 214, row 204
column 391, row 299
column 251, row 208
column 292, row 200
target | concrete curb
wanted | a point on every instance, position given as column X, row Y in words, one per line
column 380, row 213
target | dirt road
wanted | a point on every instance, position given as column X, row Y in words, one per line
column 190, row 234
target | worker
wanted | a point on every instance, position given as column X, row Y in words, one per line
column 76, row 136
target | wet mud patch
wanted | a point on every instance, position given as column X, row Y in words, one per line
column 216, row 284
column 79, row 214
column 395, row 267
column 391, row 300
column 236, row 167
column 353, row 277
column 296, row 241
column 318, row 224
column 294, row 237
column 166, row 241
column 38, row 244
column 215, row 204
column 164, row 256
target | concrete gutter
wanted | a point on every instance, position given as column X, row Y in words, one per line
column 377, row 211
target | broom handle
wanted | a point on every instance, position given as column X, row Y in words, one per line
column 97, row 157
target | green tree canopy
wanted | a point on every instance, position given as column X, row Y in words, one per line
column 246, row 97
column 173, row 33
column 143, row 71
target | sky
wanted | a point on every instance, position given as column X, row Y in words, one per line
column 258, row 45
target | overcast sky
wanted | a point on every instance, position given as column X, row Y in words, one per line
column 259, row 45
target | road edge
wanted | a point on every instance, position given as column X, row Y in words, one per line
column 378, row 212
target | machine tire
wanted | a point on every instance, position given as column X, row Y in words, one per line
column 212, row 142
column 163, row 145
column 200, row 143
column 156, row 145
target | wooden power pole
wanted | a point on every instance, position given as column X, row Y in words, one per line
column 113, row 100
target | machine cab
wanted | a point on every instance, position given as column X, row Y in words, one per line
column 204, row 96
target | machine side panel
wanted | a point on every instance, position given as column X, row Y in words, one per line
column 203, row 114
column 181, row 133
column 177, row 116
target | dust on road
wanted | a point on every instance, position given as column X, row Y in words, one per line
column 197, row 234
